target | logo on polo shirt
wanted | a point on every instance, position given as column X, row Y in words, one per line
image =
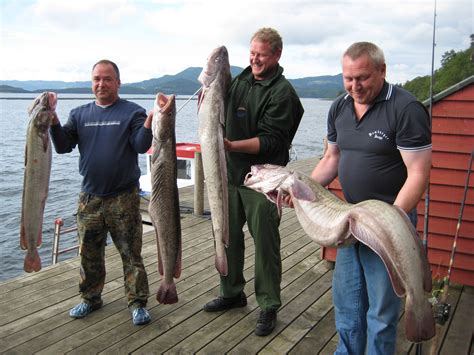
column 379, row 135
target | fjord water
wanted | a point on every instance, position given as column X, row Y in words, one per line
column 65, row 182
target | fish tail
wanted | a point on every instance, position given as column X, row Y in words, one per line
column 221, row 264
column 419, row 321
column 167, row 293
column 32, row 261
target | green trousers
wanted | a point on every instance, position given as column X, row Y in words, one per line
column 261, row 215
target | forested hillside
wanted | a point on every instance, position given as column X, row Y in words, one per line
column 455, row 66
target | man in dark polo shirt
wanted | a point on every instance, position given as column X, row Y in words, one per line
column 379, row 145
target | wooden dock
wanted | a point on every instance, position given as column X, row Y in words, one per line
column 34, row 308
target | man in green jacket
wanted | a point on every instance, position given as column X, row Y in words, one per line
column 263, row 114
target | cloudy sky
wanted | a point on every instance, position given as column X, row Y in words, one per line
column 61, row 40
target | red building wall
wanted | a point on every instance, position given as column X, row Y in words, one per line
column 453, row 142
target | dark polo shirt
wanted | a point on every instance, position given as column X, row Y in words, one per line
column 370, row 165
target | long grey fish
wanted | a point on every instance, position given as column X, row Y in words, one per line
column 384, row 228
column 215, row 79
column 36, row 177
column 164, row 202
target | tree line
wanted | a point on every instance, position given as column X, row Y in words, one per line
column 455, row 67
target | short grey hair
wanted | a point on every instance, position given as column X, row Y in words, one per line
column 358, row 49
column 269, row 35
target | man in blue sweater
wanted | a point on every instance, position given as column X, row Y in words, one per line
column 109, row 132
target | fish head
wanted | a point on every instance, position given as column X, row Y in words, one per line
column 164, row 116
column 41, row 110
column 217, row 63
column 273, row 181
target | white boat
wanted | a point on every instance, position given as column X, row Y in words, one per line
column 186, row 166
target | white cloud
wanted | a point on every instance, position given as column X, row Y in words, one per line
column 60, row 40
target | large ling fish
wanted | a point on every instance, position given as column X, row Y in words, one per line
column 384, row 228
column 215, row 79
column 164, row 202
column 36, row 178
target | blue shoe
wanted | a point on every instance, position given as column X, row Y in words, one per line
column 140, row 316
column 81, row 310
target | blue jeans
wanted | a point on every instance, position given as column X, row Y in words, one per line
column 365, row 305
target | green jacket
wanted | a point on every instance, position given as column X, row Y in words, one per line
column 268, row 109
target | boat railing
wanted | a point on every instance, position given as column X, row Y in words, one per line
column 58, row 231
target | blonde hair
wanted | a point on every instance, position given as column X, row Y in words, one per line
column 269, row 35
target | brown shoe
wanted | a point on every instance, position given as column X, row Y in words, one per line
column 221, row 303
column 266, row 323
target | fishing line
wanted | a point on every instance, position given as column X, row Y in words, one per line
column 427, row 192
column 458, row 226
column 192, row 96
column 442, row 308
column 419, row 346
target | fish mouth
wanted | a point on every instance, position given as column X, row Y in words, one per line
column 165, row 103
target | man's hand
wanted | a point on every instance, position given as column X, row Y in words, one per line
column 227, row 145
column 148, row 120
column 54, row 118
column 288, row 201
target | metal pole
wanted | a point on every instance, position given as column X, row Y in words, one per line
column 58, row 223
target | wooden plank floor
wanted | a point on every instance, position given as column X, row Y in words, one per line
column 34, row 308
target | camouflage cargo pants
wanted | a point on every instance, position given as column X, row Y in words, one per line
column 120, row 216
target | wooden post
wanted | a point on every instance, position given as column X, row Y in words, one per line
column 198, row 185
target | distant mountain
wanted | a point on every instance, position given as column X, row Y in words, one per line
column 8, row 88
column 326, row 86
column 36, row 85
column 183, row 83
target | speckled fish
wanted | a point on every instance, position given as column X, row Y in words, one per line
column 384, row 228
column 215, row 79
column 164, row 202
column 36, row 178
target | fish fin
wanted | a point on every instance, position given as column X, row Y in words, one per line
column 419, row 321
column 39, row 240
column 221, row 265
column 160, row 262
column 367, row 237
column 427, row 278
column 302, row 191
column 167, row 293
column 23, row 241
column 177, row 265
column 32, row 261
column 26, row 156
